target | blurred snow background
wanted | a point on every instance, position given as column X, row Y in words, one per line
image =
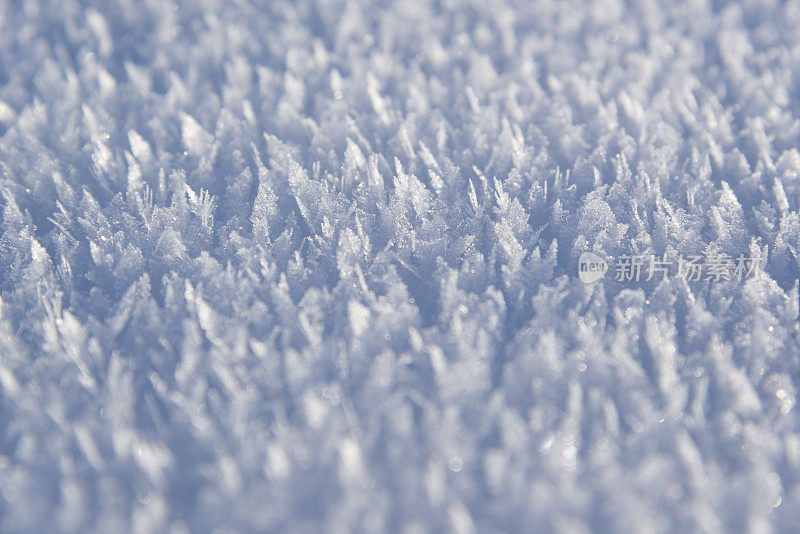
column 310, row 267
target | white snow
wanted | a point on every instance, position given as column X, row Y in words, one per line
column 312, row 266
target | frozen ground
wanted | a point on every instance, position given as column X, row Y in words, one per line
column 312, row 267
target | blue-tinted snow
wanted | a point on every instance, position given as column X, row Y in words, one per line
column 311, row 266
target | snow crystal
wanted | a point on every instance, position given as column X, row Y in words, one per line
column 313, row 266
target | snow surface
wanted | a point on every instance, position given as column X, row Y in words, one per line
column 311, row 267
